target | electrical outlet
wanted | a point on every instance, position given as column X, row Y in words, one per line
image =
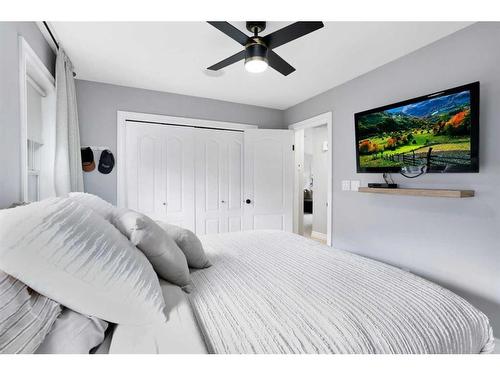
column 346, row 185
column 355, row 185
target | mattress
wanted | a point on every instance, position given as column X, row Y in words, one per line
column 178, row 335
column 276, row 292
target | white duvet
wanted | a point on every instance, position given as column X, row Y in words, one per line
column 276, row 292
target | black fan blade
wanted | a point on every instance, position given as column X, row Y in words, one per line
column 230, row 60
column 291, row 32
column 230, row 31
column 279, row 64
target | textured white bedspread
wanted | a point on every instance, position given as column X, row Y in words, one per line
column 276, row 292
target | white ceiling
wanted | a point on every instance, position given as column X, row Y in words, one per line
column 172, row 56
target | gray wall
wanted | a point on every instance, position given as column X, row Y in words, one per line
column 452, row 241
column 10, row 122
column 98, row 103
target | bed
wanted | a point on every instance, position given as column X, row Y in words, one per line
column 276, row 292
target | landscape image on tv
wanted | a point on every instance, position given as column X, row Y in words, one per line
column 435, row 132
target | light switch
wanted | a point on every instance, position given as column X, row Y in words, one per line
column 346, row 185
column 355, row 185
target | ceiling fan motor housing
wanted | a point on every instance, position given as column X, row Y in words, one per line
column 256, row 27
column 255, row 51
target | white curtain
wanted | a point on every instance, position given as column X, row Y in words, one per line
column 68, row 174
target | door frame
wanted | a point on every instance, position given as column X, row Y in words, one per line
column 313, row 122
column 162, row 120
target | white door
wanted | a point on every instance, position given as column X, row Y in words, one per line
column 269, row 180
column 219, row 181
column 160, row 172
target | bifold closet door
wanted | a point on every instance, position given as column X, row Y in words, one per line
column 219, row 181
column 268, row 191
column 160, row 172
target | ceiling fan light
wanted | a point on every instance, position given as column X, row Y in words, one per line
column 256, row 64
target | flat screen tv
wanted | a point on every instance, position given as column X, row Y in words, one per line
column 440, row 131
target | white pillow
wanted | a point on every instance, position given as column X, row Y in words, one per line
column 73, row 333
column 97, row 204
column 189, row 243
column 163, row 253
column 70, row 254
column 26, row 317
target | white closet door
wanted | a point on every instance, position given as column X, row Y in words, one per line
column 234, row 202
column 268, row 179
column 219, row 177
column 160, row 172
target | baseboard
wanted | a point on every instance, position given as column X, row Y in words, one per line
column 318, row 235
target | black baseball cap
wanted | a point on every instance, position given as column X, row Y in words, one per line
column 106, row 162
column 88, row 163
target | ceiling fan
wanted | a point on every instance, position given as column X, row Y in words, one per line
column 258, row 52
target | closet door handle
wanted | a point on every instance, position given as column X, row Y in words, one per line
column 223, row 201
column 248, row 201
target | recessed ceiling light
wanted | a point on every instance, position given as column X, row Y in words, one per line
column 213, row 73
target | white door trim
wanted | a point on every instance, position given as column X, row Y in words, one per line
column 30, row 68
column 319, row 120
column 162, row 120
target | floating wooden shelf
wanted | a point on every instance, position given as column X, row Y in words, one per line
column 420, row 192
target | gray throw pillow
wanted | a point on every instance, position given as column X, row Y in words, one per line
column 26, row 317
column 163, row 253
column 189, row 243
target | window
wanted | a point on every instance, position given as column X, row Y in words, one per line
column 37, row 126
column 34, row 97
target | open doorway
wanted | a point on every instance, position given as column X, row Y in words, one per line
column 313, row 178
column 315, row 183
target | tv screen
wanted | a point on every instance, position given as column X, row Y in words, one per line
column 440, row 131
